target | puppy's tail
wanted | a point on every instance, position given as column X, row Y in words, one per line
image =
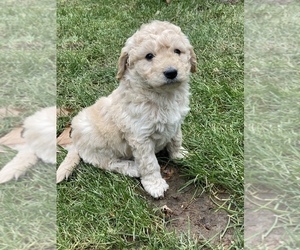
column 68, row 165
column 17, row 167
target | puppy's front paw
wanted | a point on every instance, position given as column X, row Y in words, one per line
column 180, row 154
column 154, row 185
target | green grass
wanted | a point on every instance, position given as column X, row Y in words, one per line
column 27, row 62
column 272, row 41
column 28, row 209
column 98, row 210
column 108, row 212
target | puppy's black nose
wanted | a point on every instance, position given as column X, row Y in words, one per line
column 170, row 73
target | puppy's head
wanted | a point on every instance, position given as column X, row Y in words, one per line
column 157, row 55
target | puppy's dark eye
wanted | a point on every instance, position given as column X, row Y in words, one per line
column 149, row 56
column 177, row 51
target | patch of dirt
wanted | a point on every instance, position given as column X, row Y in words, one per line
column 13, row 139
column 187, row 210
column 64, row 139
column 262, row 229
column 9, row 112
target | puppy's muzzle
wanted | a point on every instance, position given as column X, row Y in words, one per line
column 170, row 73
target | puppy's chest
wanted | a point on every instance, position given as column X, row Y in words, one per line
column 165, row 117
column 165, row 123
column 159, row 122
column 162, row 134
column 164, row 131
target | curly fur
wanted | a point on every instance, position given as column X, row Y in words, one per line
column 39, row 132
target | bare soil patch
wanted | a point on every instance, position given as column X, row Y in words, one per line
column 262, row 228
column 189, row 211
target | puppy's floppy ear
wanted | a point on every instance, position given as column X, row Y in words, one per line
column 193, row 61
column 122, row 63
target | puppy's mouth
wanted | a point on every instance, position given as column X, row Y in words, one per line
column 169, row 82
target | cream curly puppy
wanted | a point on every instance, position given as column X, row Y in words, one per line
column 39, row 131
column 122, row 132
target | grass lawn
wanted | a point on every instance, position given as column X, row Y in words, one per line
column 27, row 59
column 272, row 92
column 101, row 210
column 28, row 209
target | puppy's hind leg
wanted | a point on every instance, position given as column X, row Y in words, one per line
column 68, row 165
column 18, row 165
column 176, row 151
column 125, row 167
